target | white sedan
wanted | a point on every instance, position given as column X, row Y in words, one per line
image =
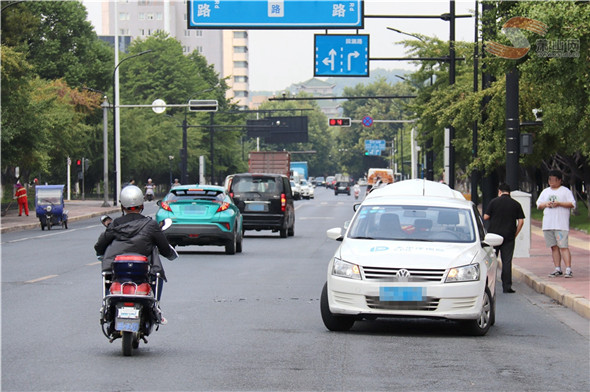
column 414, row 248
column 296, row 190
column 306, row 189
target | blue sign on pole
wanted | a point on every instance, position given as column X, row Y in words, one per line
column 341, row 55
column 275, row 14
column 374, row 147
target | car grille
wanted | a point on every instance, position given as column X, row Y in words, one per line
column 391, row 274
column 430, row 304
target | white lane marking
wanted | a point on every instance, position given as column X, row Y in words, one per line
column 49, row 235
column 42, row 278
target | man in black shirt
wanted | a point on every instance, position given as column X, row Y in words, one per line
column 506, row 219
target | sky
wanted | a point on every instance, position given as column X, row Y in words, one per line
column 279, row 58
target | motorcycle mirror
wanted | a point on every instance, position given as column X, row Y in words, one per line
column 165, row 224
column 106, row 220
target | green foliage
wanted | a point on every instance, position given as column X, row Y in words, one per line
column 319, row 135
column 149, row 139
column 351, row 141
column 558, row 85
column 59, row 42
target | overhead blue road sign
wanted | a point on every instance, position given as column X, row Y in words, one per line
column 373, row 152
column 374, row 145
column 341, row 55
column 275, row 14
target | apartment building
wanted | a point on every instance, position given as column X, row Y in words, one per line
column 227, row 50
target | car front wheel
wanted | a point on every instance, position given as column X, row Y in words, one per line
column 332, row 321
column 481, row 325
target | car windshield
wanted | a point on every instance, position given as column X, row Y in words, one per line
column 49, row 196
column 413, row 223
column 254, row 184
column 194, row 194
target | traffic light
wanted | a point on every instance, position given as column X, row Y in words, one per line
column 79, row 163
column 339, row 122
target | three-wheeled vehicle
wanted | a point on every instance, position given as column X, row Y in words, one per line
column 49, row 206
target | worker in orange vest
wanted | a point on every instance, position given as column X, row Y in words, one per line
column 21, row 196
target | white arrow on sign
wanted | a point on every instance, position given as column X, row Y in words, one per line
column 354, row 54
column 330, row 61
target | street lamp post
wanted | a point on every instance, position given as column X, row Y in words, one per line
column 105, row 151
column 116, row 146
column 429, row 154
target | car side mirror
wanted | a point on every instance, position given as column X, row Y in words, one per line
column 492, row 239
column 335, row 234
column 356, row 206
column 159, row 203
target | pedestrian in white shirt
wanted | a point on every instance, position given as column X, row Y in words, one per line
column 556, row 201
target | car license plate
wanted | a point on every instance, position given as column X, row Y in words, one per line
column 401, row 293
column 128, row 313
column 256, row 207
column 124, row 325
column 195, row 210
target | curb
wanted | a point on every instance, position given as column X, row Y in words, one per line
column 577, row 303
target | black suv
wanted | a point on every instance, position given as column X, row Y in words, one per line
column 342, row 187
column 265, row 201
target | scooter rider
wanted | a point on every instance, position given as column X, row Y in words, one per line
column 149, row 190
column 134, row 233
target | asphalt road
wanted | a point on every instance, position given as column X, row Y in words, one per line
column 251, row 321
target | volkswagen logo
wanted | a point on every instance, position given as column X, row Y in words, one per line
column 403, row 275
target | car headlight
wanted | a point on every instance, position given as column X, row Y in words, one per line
column 465, row 273
column 346, row 270
column 48, row 208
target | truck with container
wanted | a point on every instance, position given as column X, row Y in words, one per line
column 377, row 177
column 275, row 162
column 299, row 170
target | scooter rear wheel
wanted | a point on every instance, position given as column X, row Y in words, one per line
column 127, row 343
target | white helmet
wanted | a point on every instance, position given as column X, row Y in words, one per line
column 131, row 196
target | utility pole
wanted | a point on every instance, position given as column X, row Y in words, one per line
column 452, row 71
column 512, row 129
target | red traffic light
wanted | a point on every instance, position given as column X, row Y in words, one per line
column 79, row 162
column 339, row 122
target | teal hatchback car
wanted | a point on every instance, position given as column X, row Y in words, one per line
column 202, row 215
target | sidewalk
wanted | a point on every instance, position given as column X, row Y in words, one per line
column 573, row 293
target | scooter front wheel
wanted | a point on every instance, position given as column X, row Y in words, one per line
column 127, row 343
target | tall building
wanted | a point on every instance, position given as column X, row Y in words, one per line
column 227, row 50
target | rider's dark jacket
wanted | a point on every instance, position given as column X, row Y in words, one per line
column 134, row 233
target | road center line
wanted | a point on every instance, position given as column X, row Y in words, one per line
column 42, row 278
